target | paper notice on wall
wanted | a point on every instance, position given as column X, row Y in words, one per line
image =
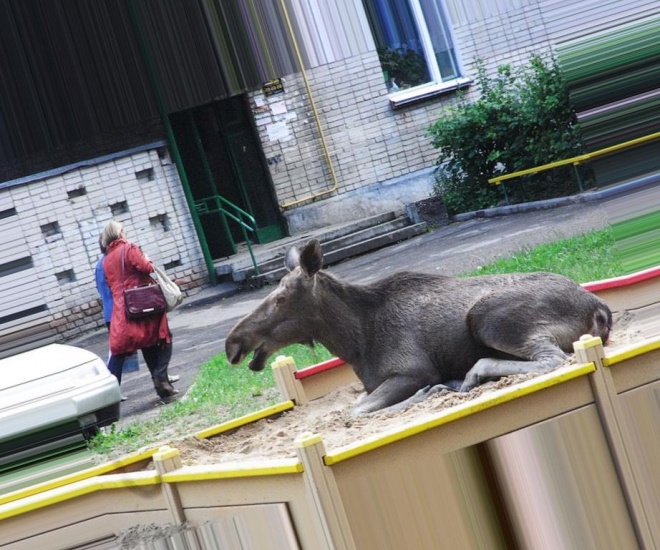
column 278, row 131
column 278, row 108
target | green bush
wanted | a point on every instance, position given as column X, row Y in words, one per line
column 523, row 118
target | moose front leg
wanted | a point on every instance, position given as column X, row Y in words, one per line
column 395, row 393
column 422, row 395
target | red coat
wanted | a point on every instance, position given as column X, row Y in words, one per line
column 128, row 335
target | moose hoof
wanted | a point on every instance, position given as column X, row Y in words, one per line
column 440, row 388
column 468, row 385
column 421, row 395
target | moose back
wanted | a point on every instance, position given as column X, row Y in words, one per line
column 410, row 331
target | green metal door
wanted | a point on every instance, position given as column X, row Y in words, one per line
column 251, row 175
column 227, row 175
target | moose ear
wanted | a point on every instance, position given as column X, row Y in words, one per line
column 292, row 258
column 311, row 258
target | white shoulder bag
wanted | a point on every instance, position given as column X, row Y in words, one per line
column 171, row 291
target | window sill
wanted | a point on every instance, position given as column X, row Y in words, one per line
column 422, row 93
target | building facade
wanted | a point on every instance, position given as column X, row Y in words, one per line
column 302, row 113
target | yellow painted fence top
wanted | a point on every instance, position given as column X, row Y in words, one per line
column 246, row 419
column 483, row 402
column 88, row 473
column 629, row 352
column 575, row 160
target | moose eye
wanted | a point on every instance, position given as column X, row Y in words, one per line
column 280, row 300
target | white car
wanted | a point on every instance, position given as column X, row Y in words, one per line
column 51, row 397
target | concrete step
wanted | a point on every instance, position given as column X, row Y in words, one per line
column 335, row 255
column 329, row 246
column 274, row 251
column 338, row 243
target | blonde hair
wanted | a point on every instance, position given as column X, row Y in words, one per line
column 111, row 232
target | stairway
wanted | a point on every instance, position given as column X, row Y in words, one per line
column 338, row 243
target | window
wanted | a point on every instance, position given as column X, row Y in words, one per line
column 119, row 208
column 415, row 47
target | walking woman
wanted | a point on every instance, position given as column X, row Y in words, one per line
column 125, row 266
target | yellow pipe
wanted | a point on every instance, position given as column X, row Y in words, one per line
column 324, row 145
column 576, row 160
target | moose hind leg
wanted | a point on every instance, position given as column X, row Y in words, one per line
column 524, row 335
column 489, row 368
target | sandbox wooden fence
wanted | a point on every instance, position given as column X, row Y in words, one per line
column 569, row 459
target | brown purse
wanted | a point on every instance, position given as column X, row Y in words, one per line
column 143, row 300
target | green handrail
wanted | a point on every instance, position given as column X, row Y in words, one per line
column 216, row 204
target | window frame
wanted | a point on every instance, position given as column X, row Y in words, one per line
column 436, row 86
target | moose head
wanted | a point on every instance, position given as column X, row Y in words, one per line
column 282, row 318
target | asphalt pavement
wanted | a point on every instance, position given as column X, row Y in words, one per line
column 201, row 323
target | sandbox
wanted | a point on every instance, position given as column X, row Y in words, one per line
column 568, row 458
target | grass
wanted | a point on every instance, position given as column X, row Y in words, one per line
column 585, row 258
column 637, row 241
column 223, row 392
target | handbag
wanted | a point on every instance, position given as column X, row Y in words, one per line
column 144, row 300
column 171, row 291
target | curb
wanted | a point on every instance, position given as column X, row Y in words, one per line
column 211, row 295
column 588, row 196
column 522, row 207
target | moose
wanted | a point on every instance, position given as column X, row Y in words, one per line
column 412, row 334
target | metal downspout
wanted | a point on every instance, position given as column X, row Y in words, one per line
column 174, row 148
column 324, row 145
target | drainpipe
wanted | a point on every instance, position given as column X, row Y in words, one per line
column 317, row 119
column 174, row 148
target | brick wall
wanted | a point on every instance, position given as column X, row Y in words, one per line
column 508, row 31
column 62, row 216
column 368, row 142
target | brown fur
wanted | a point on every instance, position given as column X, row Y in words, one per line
column 411, row 331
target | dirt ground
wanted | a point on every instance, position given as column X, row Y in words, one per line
column 328, row 416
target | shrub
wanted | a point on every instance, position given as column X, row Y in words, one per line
column 523, row 118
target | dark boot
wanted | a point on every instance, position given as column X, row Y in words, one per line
column 165, row 390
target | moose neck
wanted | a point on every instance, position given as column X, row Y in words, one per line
column 343, row 313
